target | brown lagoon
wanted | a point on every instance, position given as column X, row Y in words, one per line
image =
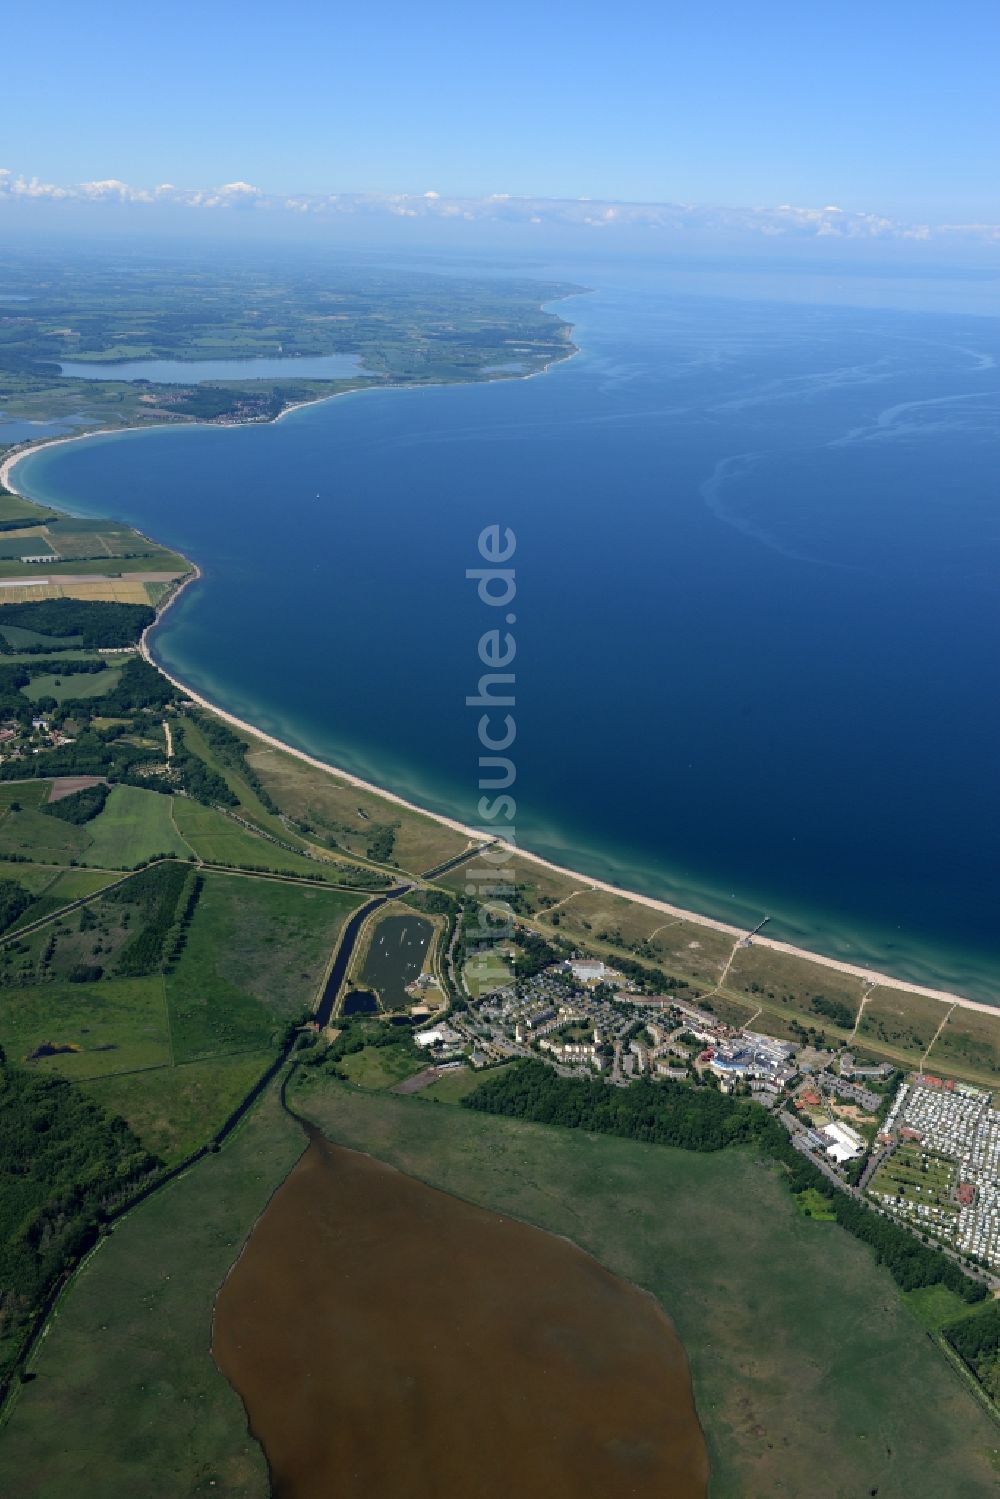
column 389, row 1340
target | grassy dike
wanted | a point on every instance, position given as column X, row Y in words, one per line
column 811, row 1374
column 125, row 1398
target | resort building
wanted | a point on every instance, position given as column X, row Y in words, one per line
column 842, row 1142
column 586, row 970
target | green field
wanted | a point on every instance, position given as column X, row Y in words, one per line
column 127, row 1401
column 935, row 1307
column 14, row 507
column 134, row 825
column 53, row 889
column 92, row 937
column 806, row 1360
column 218, row 839
column 380, row 1067
column 485, row 971
column 255, row 957
column 35, row 835
column 34, row 877
column 81, row 684
column 117, row 1025
column 348, row 814
column 455, row 1085
column 813, row 1204
column 160, row 561
column 28, row 793
column 174, row 1110
column 20, row 636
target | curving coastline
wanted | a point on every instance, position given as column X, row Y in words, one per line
column 29, row 448
column 869, row 974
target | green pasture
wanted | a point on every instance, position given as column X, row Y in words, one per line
column 135, row 825
column 79, row 684
column 380, row 1067
column 19, row 635
column 218, row 839
column 455, row 1085
column 251, row 805
column 26, row 793
column 175, row 1109
column 255, row 957
column 36, row 836
column 117, row 1025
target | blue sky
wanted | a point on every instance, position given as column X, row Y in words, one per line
column 885, row 108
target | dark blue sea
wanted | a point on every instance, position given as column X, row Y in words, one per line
column 757, row 624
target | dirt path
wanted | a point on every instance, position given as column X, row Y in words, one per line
column 173, row 824
column 930, row 1047
column 569, row 897
column 865, row 997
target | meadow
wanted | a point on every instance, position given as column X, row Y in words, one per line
column 53, row 887
column 254, row 959
column 173, row 1110
column 172, row 1051
column 27, row 793
column 376, row 1068
column 28, row 833
column 219, row 839
column 90, row 684
column 117, row 1025
column 250, row 804
column 135, row 825
column 454, row 1085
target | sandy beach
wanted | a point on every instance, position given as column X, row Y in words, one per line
column 862, row 973
column 585, row 881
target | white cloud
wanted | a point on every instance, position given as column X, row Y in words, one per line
column 119, row 192
column 784, row 219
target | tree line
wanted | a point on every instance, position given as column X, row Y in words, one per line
column 232, row 751
column 976, row 1340
column 64, row 1166
column 197, row 778
column 166, row 895
column 75, row 623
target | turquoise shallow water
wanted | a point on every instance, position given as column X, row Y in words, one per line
column 757, row 622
